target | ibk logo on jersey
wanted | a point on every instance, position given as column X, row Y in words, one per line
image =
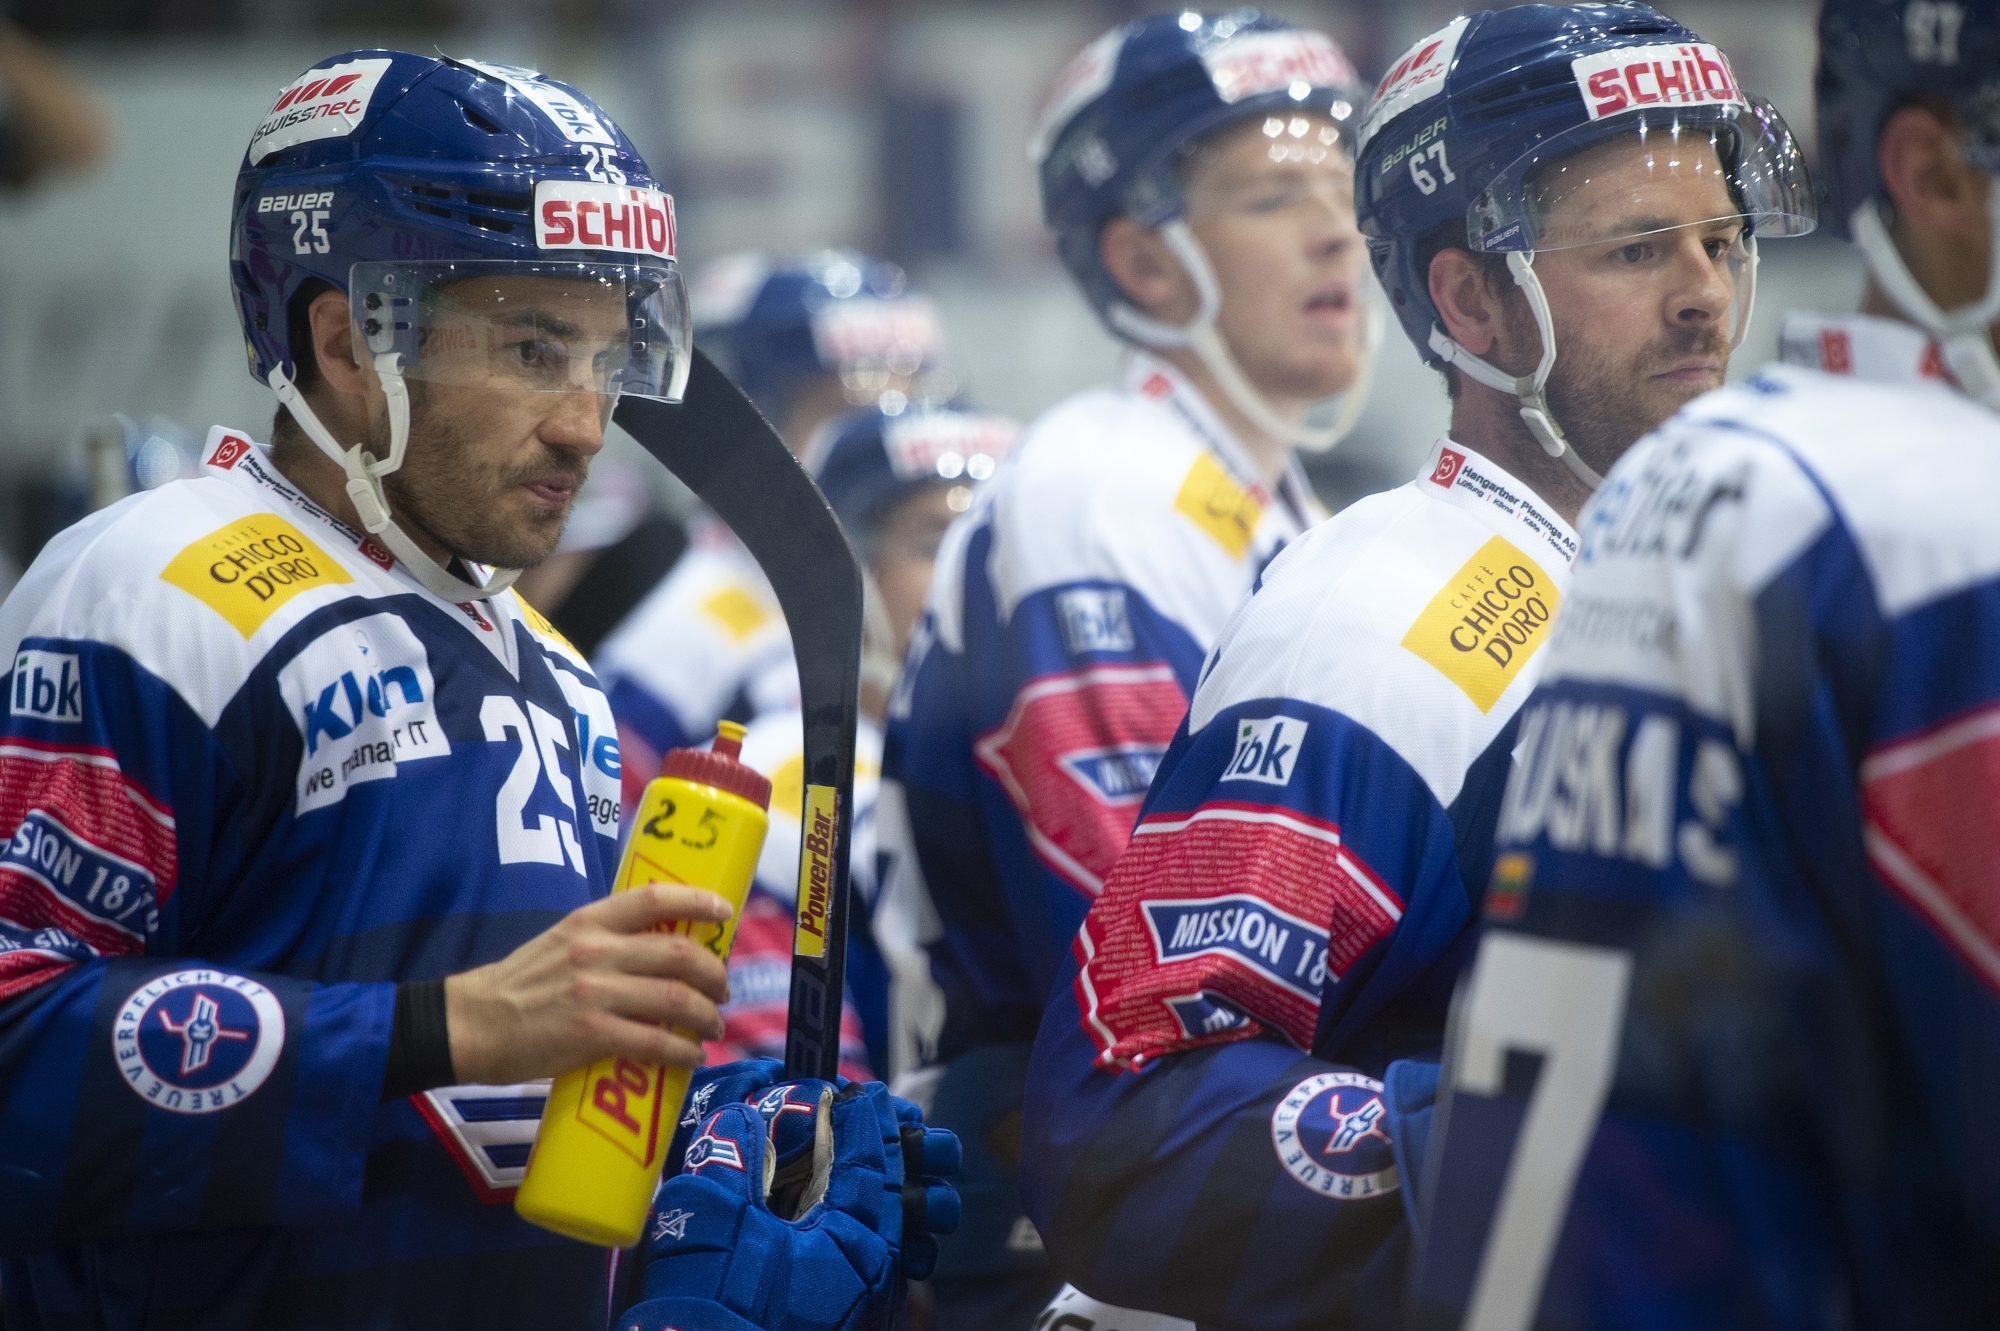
column 232, row 450
column 585, row 215
column 48, row 685
column 1450, row 463
column 1266, row 750
column 1633, row 77
column 1093, row 619
column 198, row 1041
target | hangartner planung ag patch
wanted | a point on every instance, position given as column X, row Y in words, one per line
column 1487, row 621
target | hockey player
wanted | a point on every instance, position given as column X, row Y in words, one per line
column 1197, row 173
column 896, row 481
column 308, row 817
column 1231, row 1081
column 1726, row 1055
column 808, row 339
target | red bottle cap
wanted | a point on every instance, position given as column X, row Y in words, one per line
column 721, row 767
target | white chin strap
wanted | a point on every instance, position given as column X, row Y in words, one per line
column 1962, row 334
column 364, row 482
column 1200, row 334
column 1535, row 413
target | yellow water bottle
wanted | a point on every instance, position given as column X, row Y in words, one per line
column 606, row 1127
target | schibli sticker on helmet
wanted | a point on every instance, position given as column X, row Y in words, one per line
column 1540, row 128
column 491, row 229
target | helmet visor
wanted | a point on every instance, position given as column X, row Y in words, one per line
column 600, row 329
column 1645, row 172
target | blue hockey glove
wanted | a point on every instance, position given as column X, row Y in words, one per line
column 711, row 1088
column 789, row 1213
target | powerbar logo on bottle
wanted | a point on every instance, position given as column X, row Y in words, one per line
column 584, row 215
column 822, row 816
column 1635, row 77
column 319, row 104
column 621, row 1103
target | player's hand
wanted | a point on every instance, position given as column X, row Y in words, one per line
column 598, row 984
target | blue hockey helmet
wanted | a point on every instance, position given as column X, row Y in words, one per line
column 871, row 460
column 422, row 188
column 774, row 321
column 1876, row 57
column 1482, row 128
column 1118, row 122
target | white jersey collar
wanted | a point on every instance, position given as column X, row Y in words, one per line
column 242, row 461
column 1157, row 380
column 1457, row 475
column 1865, row 346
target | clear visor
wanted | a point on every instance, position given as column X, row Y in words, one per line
column 1650, row 171
column 598, row 329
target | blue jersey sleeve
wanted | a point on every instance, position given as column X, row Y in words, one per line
column 1226, row 1088
column 143, row 1091
column 1024, row 751
column 1725, row 1057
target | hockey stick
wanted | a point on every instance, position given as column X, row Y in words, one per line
column 721, row 448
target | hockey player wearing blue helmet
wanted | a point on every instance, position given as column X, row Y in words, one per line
column 1230, row 1091
column 1726, row 1056
column 310, row 821
column 810, row 339
column 1197, row 173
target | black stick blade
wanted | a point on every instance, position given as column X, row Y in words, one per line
column 726, row 452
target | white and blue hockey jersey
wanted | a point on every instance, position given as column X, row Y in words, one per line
column 1069, row 615
column 1208, row 1132
column 1727, row 1056
column 252, row 775
column 708, row 644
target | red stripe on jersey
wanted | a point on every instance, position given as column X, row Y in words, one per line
column 1221, row 923
column 23, row 969
column 1071, row 755
column 1931, row 824
column 85, row 791
column 31, row 903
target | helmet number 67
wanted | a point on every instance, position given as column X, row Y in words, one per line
column 1425, row 180
column 309, row 232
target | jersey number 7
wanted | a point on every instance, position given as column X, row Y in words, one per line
column 1565, row 1003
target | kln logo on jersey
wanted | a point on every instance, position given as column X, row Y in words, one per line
column 1266, row 750
column 364, row 699
column 48, row 685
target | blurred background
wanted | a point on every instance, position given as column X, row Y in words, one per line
column 898, row 126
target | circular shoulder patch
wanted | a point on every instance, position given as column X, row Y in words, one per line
column 1331, row 1134
column 197, row 1041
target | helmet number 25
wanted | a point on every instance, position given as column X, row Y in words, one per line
column 309, row 232
column 1425, row 180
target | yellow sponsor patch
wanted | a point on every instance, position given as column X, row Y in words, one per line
column 621, row 1103
column 739, row 612
column 1219, row 506
column 539, row 623
column 822, row 815
column 1487, row 622
column 247, row 570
